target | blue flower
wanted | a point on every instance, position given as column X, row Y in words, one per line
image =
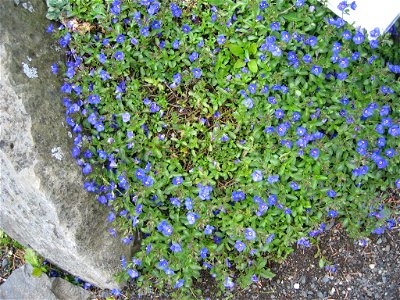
column 281, row 129
column 314, row 153
column 153, row 8
column 196, row 72
column 203, row 252
column 64, row 41
column 272, row 199
column 279, row 113
column 375, row 32
column 87, row 168
column 332, row 213
column 331, row 193
column 381, row 163
column 397, row 183
column 177, row 180
column 154, row 107
column 54, row 68
column 285, row 36
column 342, row 76
column 294, row 186
column 346, row 35
column 240, row 246
column 316, row 70
column 188, row 203
column 273, row 179
column 252, row 88
column 287, row 211
column 111, row 217
column 221, row 39
column 165, row 228
column 373, row 44
column 119, row 55
column 176, row 11
column 342, row 5
column 270, row 238
column 144, row 31
column 275, row 26
column 191, row 217
column 175, row 201
column 303, row 242
column 248, row 103
column 179, row 283
column 381, row 142
column 204, row 192
column 353, row 5
column 307, row 58
column 193, row 56
column 163, row 264
column 343, row 62
column 312, row 41
column 263, row 5
column 209, row 229
column 358, row 38
column 228, row 283
column 250, row 234
column 379, row 230
column 301, row 131
column 257, row 175
column 115, row 7
column 148, row 181
column 238, row 195
column 394, row 130
column 186, row 28
column 155, row 24
column 175, row 247
column 132, row 273
column 296, row 116
column 120, row 38
column 390, row 152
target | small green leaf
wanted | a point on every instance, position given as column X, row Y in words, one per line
column 253, row 49
column 321, row 263
column 31, row 257
column 239, row 64
column 292, row 17
column 37, row 272
column 236, row 50
column 253, row 66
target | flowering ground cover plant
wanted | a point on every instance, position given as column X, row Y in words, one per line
column 228, row 132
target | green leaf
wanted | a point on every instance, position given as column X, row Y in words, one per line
column 236, row 50
column 253, row 66
column 321, row 263
column 267, row 274
column 293, row 17
column 253, row 49
column 31, row 257
column 239, row 64
column 37, row 272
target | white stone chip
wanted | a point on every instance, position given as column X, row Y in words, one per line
column 296, row 286
column 31, row 72
column 57, row 153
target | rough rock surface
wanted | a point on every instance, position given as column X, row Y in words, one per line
column 42, row 202
column 22, row 285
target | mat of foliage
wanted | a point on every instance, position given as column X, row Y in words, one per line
column 228, row 131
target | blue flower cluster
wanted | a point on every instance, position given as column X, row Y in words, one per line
column 195, row 128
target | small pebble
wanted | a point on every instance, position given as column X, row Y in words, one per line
column 296, row 286
column 332, row 291
column 372, row 266
column 4, row 263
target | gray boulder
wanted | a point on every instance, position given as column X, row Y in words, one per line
column 22, row 285
column 42, row 202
